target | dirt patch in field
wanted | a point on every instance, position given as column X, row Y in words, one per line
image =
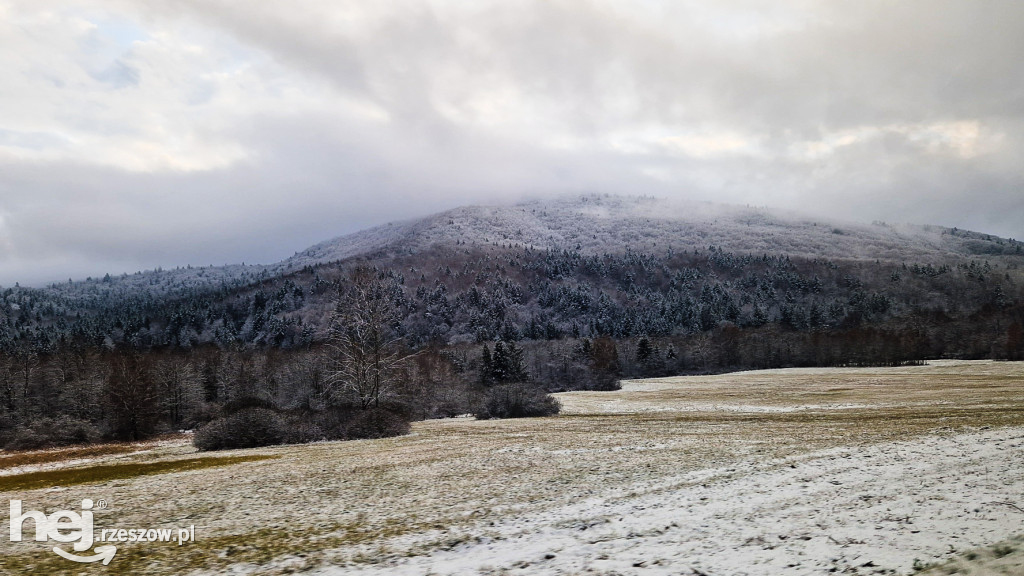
column 20, row 459
column 106, row 473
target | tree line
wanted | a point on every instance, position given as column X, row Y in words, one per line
column 450, row 330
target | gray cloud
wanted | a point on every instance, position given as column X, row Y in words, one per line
column 134, row 135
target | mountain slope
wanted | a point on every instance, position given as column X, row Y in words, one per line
column 572, row 268
column 599, row 224
column 592, row 224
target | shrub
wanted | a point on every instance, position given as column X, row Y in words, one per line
column 203, row 413
column 377, row 423
column 246, row 428
column 53, row 432
column 27, row 439
column 67, row 431
column 301, row 430
column 253, row 427
column 517, row 401
column 333, row 421
column 605, row 384
column 352, row 423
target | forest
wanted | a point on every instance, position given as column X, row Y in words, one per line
column 360, row 347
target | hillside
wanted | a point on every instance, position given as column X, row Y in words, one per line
column 569, row 295
column 600, row 224
column 547, row 270
column 589, row 225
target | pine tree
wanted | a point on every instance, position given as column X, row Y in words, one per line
column 486, row 367
column 499, row 363
column 644, row 350
column 508, row 363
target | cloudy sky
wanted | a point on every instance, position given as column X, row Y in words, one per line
column 160, row 133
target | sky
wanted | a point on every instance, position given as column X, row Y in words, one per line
column 164, row 133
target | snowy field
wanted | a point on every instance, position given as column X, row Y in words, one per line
column 860, row 511
column 856, row 471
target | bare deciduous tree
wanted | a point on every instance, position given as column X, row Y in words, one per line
column 368, row 354
column 179, row 386
column 133, row 398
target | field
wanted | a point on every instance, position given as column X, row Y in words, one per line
column 809, row 471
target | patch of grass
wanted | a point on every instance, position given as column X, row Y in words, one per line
column 257, row 547
column 13, row 459
column 1003, row 550
column 106, row 473
column 1002, row 558
column 16, row 459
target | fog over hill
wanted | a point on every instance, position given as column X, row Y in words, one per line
column 590, row 224
column 585, row 266
column 600, row 223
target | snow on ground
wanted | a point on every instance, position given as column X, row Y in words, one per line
column 863, row 511
column 776, row 473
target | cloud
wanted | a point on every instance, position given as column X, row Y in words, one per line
column 162, row 133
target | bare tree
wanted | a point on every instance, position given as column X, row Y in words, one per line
column 78, row 377
column 8, row 385
column 306, row 381
column 26, row 361
column 133, row 398
column 369, row 361
column 179, row 386
column 704, row 349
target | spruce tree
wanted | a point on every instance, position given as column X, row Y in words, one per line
column 644, row 350
column 486, row 367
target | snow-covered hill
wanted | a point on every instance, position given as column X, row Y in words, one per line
column 599, row 224
column 593, row 224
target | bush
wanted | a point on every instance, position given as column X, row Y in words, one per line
column 377, row 423
column 517, row 401
column 203, row 413
column 333, row 421
column 352, row 423
column 53, row 432
column 301, row 430
column 605, row 384
column 246, row 428
column 254, row 427
column 67, row 431
column 27, row 439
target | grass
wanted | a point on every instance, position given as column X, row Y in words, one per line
column 106, row 473
column 15, row 459
column 1003, row 550
column 368, row 501
column 1000, row 559
column 18, row 459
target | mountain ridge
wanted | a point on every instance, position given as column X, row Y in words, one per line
column 588, row 267
column 609, row 223
column 595, row 224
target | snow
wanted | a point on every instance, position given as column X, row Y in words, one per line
column 597, row 224
column 849, row 510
